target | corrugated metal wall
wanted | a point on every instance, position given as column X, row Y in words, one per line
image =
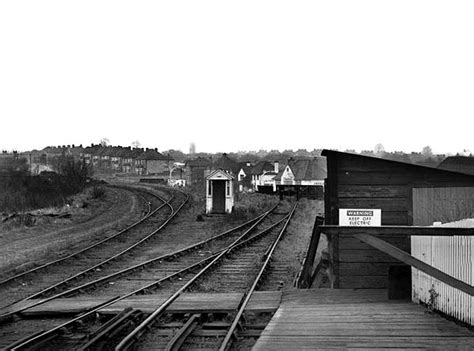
column 452, row 255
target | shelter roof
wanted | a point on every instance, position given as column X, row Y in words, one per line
column 219, row 174
column 381, row 161
column 461, row 164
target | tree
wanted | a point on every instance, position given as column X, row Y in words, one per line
column 136, row 144
column 427, row 152
column 379, row 149
column 75, row 172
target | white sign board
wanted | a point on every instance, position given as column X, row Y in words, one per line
column 355, row 217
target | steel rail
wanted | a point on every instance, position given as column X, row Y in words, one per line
column 39, row 337
column 129, row 340
column 77, row 275
column 173, row 254
column 178, row 339
column 108, row 328
column 127, row 270
column 226, row 342
column 51, row 263
column 5, row 316
column 46, row 334
column 111, row 258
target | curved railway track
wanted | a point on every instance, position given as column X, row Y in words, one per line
column 52, row 275
column 174, row 273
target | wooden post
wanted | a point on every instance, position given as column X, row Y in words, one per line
column 306, row 274
column 414, row 262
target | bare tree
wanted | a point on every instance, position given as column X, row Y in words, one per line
column 104, row 142
column 136, row 144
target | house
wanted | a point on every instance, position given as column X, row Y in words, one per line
column 106, row 153
column 244, row 176
column 128, row 156
column 219, row 192
column 461, row 164
column 152, row 162
column 87, row 154
column 115, row 154
column 227, row 164
column 249, row 176
column 304, row 177
column 194, row 171
column 263, row 174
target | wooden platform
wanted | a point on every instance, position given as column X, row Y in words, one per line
column 187, row 303
column 323, row 319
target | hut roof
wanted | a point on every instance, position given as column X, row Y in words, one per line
column 461, row 164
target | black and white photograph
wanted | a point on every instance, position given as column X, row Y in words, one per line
column 236, row 175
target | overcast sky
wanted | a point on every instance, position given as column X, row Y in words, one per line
column 240, row 75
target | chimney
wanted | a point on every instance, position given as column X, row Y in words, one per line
column 276, row 167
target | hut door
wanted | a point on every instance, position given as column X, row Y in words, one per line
column 218, row 196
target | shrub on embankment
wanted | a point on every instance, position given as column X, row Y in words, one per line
column 21, row 191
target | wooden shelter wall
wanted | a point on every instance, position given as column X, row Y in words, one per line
column 363, row 182
column 358, row 265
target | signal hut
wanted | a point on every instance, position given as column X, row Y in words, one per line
column 219, row 192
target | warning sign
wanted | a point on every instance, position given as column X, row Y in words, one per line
column 360, row 217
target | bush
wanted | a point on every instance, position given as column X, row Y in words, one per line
column 98, row 192
column 251, row 205
column 21, row 191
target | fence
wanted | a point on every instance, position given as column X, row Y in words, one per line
column 454, row 256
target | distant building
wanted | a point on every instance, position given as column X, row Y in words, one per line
column 250, row 176
column 194, row 171
column 244, row 176
column 129, row 156
column 263, row 174
column 151, row 162
column 304, row 177
column 227, row 164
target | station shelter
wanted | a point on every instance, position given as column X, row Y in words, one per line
column 219, row 192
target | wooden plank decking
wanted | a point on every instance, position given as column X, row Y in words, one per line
column 323, row 319
column 263, row 301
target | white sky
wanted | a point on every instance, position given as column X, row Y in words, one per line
column 240, row 75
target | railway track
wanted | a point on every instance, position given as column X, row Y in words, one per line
column 55, row 274
column 242, row 269
column 169, row 275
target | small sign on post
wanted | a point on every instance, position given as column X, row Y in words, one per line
column 360, row 217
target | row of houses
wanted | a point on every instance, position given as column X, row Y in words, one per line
column 127, row 160
column 303, row 176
